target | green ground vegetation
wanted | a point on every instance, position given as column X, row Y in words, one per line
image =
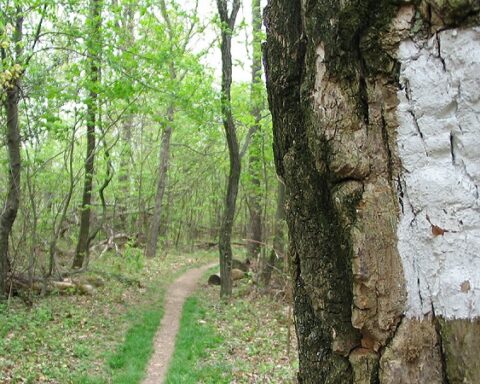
column 103, row 338
column 243, row 340
column 194, row 342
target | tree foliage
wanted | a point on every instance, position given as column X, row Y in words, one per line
column 150, row 59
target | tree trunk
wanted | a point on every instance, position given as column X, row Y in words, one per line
column 225, row 236
column 57, row 227
column 156, row 220
column 93, row 48
column 255, row 164
column 376, row 136
column 128, row 28
column 10, row 209
column 154, row 230
column 125, row 169
column 278, row 250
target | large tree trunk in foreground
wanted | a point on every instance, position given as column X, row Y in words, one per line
column 224, row 242
column 95, row 21
column 375, row 110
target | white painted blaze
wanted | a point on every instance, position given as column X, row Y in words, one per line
column 439, row 146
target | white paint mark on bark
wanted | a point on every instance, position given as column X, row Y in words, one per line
column 439, row 145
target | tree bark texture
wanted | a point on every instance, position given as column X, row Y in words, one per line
column 154, row 230
column 93, row 49
column 335, row 78
column 224, row 244
column 255, row 164
column 12, row 202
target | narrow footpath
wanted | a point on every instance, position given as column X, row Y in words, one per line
column 164, row 345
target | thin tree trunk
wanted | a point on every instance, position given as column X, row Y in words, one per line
column 124, row 177
column 12, row 202
column 82, row 249
column 255, row 226
column 101, row 191
column 57, row 228
column 10, row 209
column 33, row 233
column 127, row 126
column 225, row 247
column 278, row 250
column 154, row 230
column 255, row 164
column 142, row 216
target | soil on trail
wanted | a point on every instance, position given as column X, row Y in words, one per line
column 164, row 344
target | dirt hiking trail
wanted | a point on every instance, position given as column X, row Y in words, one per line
column 164, row 344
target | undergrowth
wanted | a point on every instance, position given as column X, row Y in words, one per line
column 256, row 344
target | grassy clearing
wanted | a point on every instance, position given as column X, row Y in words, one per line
column 91, row 339
column 254, row 333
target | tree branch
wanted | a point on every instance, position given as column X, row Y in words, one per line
column 37, row 35
column 253, row 129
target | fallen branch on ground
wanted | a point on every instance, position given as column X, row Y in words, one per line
column 46, row 286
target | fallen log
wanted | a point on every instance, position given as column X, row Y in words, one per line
column 206, row 245
column 237, row 274
column 113, row 242
column 96, row 281
column 119, row 277
column 243, row 266
column 214, row 280
column 46, row 286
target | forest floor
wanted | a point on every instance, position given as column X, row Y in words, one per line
column 108, row 337
column 248, row 339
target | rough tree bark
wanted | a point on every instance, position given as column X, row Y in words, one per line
column 94, row 22
column 376, row 132
column 10, row 209
column 224, row 243
column 255, row 164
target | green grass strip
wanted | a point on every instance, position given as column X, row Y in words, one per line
column 129, row 362
column 131, row 359
column 195, row 341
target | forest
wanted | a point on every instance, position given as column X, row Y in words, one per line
column 239, row 191
column 114, row 132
